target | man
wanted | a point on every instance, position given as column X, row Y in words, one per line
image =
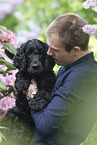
column 70, row 116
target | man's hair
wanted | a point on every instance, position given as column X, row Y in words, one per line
column 68, row 28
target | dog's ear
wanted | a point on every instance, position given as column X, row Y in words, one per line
column 49, row 61
column 19, row 60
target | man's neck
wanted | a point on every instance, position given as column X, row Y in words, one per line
column 82, row 53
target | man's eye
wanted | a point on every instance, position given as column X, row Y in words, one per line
column 53, row 50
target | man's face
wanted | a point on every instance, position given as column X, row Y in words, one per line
column 56, row 50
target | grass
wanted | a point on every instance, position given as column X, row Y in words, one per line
column 92, row 137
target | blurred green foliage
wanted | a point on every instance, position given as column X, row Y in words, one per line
column 10, row 22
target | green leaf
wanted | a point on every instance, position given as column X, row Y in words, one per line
column 2, row 127
column 4, row 46
column 2, row 61
column 11, row 48
column 10, row 89
column 2, row 71
column 5, row 30
column 9, row 54
column 1, row 136
column 8, row 64
column 2, row 86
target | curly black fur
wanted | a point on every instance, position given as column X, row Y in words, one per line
column 32, row 62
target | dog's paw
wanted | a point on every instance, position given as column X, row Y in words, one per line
column 37, row 104
column 40, row 100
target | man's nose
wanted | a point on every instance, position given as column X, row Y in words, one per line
column 49, row 52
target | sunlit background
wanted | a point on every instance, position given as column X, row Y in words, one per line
column 30, row 18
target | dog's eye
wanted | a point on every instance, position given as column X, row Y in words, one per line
column 29, row 53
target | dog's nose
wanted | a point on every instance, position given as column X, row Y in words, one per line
column 35, row 64
column 35, row 61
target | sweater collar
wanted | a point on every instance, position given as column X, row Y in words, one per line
column 85, row 58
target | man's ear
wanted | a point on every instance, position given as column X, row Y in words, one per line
column 76, row 50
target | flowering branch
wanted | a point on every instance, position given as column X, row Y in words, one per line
column 7, row 37
column 90, row 29
column 7, row 51
column 7, row 70
column 88, row 3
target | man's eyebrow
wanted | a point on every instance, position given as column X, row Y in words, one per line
column 51, row 47
column 54, row 49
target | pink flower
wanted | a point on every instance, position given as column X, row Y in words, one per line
column 6, row 37
column 1, row 52
column 4, row 68
column 90, row 29
column 94, row 9
column 1, row 45
column 8, row 79
column 6, row 103
column 3, row 113
column 88, row 3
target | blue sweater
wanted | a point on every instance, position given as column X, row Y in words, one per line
column 70, row 116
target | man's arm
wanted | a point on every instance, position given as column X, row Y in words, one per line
column 74, row 89
column 53, row 115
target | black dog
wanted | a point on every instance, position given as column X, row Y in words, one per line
column 33, row 63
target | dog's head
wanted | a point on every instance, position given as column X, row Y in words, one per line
column 32, row 57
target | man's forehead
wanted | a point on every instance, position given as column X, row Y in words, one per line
column 54, row 43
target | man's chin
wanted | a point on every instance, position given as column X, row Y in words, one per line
column 57, row 62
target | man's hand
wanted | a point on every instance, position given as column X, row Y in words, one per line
column 32, row 85
column 32, row 90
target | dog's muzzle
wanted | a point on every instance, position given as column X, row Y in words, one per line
column 35, row 61
column 35, row 65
